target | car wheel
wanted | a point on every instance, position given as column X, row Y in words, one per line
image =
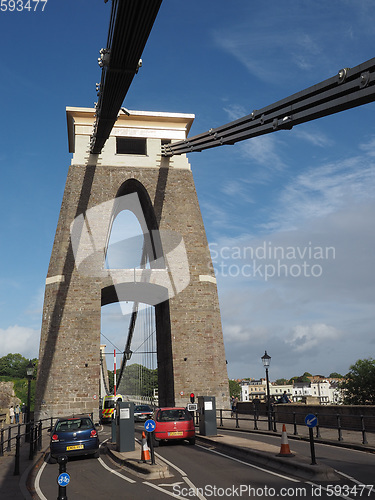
column 192, row 441
column 155, row 443
column 97, row 454
column 52, row 460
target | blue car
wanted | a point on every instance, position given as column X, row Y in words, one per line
column 72, row 436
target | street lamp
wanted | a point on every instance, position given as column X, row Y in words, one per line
column 266, row 360
column 128, row 354
column 29, row 373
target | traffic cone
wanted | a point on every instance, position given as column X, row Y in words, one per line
column 284, row 449
column 145, row 453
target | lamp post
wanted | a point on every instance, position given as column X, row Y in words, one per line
column 266, row 360
column 29, row 373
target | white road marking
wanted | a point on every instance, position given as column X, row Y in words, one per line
column 112, row 471
column 251, row 465
column 162, row 490
column 37, row 487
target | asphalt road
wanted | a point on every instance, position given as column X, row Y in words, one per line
column 201, row 472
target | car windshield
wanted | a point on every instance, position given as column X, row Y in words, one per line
column 173, row 415
column 109, row 403
column 73, row 424
column 143, row 408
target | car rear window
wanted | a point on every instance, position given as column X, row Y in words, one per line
column 173, row 415
column 76, row 424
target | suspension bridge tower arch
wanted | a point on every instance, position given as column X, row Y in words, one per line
column 175, row 276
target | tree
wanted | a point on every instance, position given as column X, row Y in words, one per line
column 281, row 381
column 335, row 375
column 359, row 384
column 14, row 365
column 234, row 389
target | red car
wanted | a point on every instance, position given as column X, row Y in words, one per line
column 173, row 423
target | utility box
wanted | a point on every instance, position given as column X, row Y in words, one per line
column 207, row 415
column 125, row 438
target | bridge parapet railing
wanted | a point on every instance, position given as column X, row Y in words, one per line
column 10, row 438
column 331, row 425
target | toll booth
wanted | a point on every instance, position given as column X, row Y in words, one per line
column 125, row 437
column 207, row 415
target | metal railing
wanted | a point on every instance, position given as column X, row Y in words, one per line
column 32, row 434
column 295, row 419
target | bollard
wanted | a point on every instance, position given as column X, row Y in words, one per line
column 364, row 438
column 318, row 436
column 63, row 478
column 295, row 433
column 17, row 457
column 339, row 427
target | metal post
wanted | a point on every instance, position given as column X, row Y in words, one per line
column 40, row 428
column 339, row 427
column 151, row 441
column 62, row 469
column 268, row 402
column 295, row 424
column 317, row 427
column 9, row 437
column 2, row 443
column 17, row 457
column 274, row 419
column 237, row 424
column 364, row 438
column 221, row 418
column 31, row 434
column 27, row 434
column 312, row 447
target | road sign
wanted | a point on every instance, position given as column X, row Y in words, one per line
column 63, row 479
column 311, row 420
column 192, row 406
column 150, row 425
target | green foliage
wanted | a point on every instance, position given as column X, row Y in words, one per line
column 21, row 387
column 335, row 375
column 359, row 383
column 14, row 365
column 302, row 378
column 111, row 379
column 281, row 381
column 139, row 380
column 234, row 389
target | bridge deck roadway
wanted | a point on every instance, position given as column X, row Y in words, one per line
column 245, row 446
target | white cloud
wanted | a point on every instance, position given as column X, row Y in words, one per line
column 307, row 337
column 19, row 339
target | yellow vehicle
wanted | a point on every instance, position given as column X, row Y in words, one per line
column 109, row 404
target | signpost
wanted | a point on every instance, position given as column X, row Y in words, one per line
column 63, row 478
column 149, row 428
column 311, row 421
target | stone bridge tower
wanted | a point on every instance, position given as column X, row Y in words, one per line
column 177, row 276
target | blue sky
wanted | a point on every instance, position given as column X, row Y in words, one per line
column 303, row 191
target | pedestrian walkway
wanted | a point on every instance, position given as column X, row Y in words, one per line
column 14, row 487
column 352, row 439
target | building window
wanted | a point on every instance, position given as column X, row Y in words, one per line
column 131, row 146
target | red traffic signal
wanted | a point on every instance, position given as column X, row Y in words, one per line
column 192, row 397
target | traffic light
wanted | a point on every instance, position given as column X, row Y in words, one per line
column 192, row 397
